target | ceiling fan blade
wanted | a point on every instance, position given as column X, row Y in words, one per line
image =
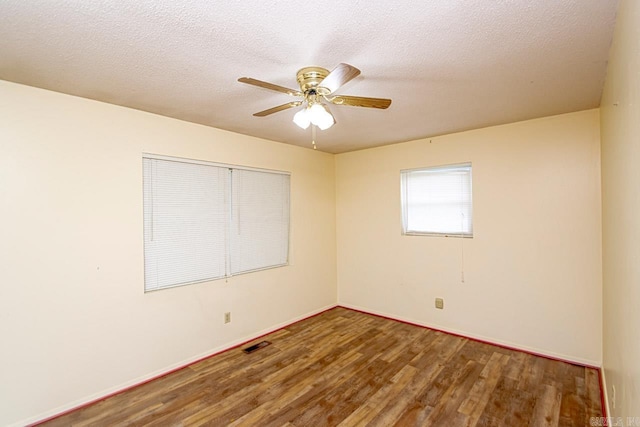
column 340, row 75
column 278, row 108
column 270, row 86
column 360, row 101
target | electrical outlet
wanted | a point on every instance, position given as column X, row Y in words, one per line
column 439, row 303
column 227, row 317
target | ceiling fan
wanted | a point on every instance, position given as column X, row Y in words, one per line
column 317, row 85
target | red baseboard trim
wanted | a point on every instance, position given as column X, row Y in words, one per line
column 546, row 356
column 533, row 353
column 602, row 400
column 164, row 374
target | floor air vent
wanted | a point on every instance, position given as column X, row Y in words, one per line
column 256, row 347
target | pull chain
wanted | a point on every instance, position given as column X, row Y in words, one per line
column 313, row 136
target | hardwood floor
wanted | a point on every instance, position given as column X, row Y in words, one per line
column 345, row 368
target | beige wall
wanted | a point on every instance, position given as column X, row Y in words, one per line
column 74, row 320
column 533, row 268
column 75, row 323
column 620, row 117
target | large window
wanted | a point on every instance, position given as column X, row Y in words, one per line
column 437, row 201
column 205, row 221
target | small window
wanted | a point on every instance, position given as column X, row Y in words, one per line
column 205, row 221
column 437, row 201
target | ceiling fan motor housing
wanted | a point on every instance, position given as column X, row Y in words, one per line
column 310, row 77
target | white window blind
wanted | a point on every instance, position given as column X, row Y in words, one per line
column 437, row 200
column 260, row 220
column 205, row 221
column 185, row 216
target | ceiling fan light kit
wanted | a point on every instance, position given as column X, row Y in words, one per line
column 317, row 84
column 302, row 119
column 316, row 114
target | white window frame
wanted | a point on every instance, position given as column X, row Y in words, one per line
column 230, row 168
column 405, row 208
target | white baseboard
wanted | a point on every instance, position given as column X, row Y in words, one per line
column 596, row 364
column 76, row 404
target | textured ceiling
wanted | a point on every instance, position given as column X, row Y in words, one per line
column 448, row 65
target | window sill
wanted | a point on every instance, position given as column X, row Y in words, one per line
column 417, row 233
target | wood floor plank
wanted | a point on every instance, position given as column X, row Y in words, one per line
column 348, row 368
column 461, row 381
column 592, row 398
column 374, row 405
column 547, row 409
column 473, row 406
